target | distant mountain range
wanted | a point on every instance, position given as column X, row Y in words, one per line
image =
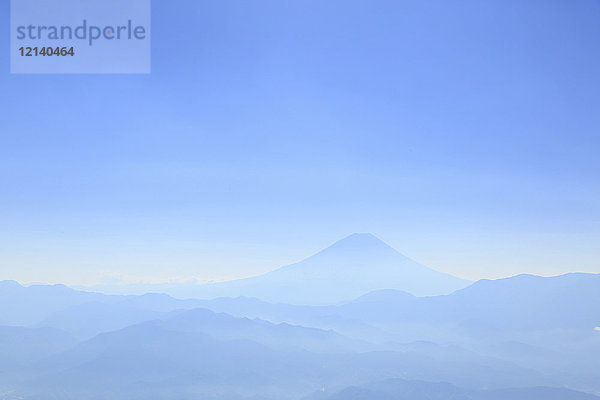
column 351, row 267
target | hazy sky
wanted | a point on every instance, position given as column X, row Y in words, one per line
column 466, row 134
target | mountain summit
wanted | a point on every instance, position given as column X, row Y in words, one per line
column 351, row 267
column 359, row 241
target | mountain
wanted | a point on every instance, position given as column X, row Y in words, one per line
column 26, row 305
column 352, row 267
column 519, row 303
column 399, row 389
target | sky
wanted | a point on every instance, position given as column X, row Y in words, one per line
column 463, row 133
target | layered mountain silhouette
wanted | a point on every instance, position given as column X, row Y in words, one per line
column 351, row 267
column 176, row 360
column 517, row 332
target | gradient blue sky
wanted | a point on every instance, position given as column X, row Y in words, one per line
column 464, row 133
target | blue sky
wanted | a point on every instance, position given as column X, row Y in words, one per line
column 463, row 133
